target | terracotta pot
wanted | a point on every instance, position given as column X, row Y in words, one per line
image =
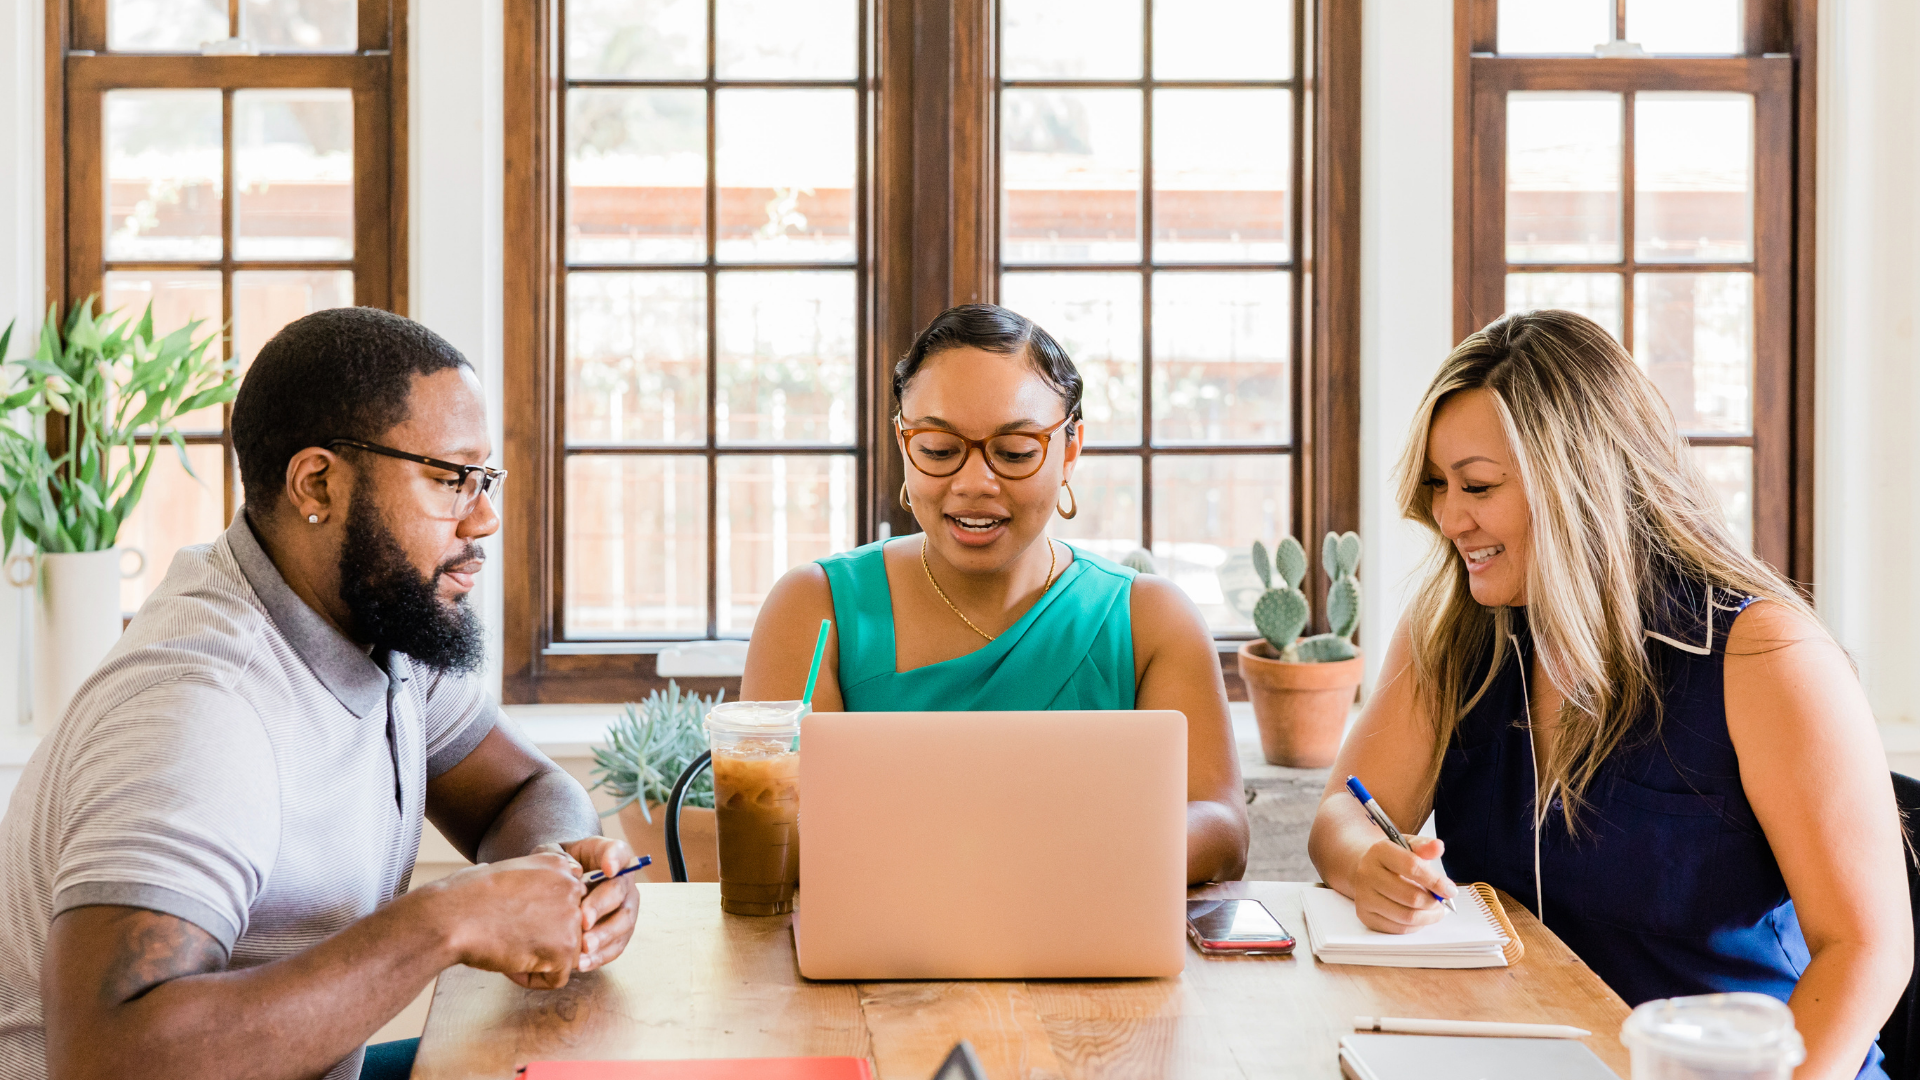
column 1301, row 708
column 697, row 841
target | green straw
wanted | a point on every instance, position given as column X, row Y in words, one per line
column 819, row 653
column 813, row 674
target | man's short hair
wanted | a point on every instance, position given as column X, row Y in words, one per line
column 342, row 373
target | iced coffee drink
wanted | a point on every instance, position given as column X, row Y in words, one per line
column 756, row 800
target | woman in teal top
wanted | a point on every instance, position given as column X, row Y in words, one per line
column 983, row 610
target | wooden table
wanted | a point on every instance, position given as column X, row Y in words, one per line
column 695, row 983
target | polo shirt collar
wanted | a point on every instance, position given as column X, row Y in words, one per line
column 344, row 668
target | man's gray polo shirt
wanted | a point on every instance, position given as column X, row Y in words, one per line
column 235, row 762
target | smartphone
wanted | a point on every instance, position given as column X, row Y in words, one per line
column 1236, row 927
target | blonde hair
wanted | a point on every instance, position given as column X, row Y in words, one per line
column 1617, row 507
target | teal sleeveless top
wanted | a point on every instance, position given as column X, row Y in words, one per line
column 1072, row 650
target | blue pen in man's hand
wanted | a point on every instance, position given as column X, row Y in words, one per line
column 1381, row 819
column 599, row 876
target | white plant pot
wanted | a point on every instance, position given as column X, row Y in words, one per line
column 76, row 620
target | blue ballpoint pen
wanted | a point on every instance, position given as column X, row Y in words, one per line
column 599, row 876
column 1381, row 819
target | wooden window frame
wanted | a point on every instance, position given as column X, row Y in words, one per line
column 1776, row 67
column 1300, row 154
column 711, row 448
column 931, row 228
column 79, row 72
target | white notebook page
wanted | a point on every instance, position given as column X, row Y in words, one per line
column 1334, row 924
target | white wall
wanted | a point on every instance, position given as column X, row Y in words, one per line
column 1868, row 395
column 1406, row 273
column 457, row 167
column 22, row 269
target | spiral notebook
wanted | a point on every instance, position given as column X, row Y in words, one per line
column 1477, row 935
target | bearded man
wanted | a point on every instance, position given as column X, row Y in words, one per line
column 204, row 871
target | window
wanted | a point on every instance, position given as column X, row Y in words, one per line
column 228, row 162
column 1149, row 198
column 727, row 219
column 710, row 311
column 1634, row 161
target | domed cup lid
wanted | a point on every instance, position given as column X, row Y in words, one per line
column 770, row 718
column 1717, row 1031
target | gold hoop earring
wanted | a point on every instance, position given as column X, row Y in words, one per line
column 905, row 503
column 1073, row 504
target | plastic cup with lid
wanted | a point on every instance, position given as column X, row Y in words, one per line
column 741, row 724
column 1713, row 1037
column 756, row 802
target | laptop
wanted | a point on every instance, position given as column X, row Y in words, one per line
column 992, row 845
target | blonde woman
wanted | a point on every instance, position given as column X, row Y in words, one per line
column 1618, row 715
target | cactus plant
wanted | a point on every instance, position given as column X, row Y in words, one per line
column 1282, row 611
column 1140, row 561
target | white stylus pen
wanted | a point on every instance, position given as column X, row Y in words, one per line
column 1467, row 1027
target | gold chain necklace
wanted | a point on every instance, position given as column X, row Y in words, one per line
column 1053, row 560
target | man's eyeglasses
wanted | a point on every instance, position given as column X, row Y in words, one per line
column 461, row 495
column 1013, row 455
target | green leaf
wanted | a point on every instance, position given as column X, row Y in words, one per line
column 1343, row 606
column 1262, row 565
column 1280, row 615
column 85, row 331
column 1291, row 560
column 1324, row 649
column 1347, row 557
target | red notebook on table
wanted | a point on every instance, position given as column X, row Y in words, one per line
column 815, row 1068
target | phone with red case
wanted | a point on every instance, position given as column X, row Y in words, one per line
column 1236, row 928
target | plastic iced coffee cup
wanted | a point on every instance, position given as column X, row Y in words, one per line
column 1713, row 1037
column 756, row 802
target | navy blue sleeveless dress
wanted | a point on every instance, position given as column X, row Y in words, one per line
column 1671, row 887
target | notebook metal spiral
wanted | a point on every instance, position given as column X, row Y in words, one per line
column 1514, row 950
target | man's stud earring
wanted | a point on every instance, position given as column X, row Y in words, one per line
column 313, row 519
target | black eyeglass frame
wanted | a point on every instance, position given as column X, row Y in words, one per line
column 489, row 476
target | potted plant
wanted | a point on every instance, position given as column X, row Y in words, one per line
column 1301, row 687
column 648, row 747
column 118, row 390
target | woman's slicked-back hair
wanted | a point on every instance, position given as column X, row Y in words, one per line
column 994, row 329
column 341, row 373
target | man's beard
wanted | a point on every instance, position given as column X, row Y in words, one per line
column 394, row 607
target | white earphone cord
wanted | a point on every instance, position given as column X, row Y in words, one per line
column 1539, row 806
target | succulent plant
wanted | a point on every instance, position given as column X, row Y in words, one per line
column 1282, row 611
column 649, row 745
column 1140, row 561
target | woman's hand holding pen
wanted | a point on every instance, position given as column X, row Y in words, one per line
column 1393, row 888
